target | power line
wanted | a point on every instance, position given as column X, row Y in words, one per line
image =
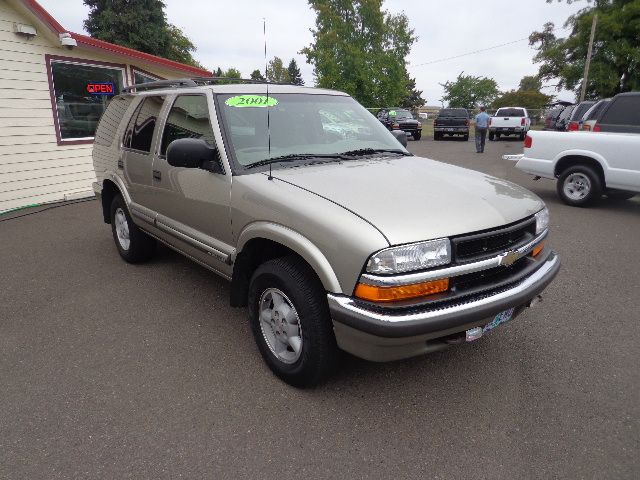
column 480, row 50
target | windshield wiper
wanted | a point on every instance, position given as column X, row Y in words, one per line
column 290, row 158
column 373, row 151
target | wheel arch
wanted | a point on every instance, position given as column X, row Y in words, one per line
column 262, row 241
column 111, row 186
column 570, row 159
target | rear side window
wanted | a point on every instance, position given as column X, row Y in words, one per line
column 580, row 110
column 139, row 133
column 188, row 118
column 111, row 119
column 623, row 111
column 566, row 112
column 594, row 111
column 510, row 112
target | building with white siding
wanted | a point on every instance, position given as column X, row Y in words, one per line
column 54, row 85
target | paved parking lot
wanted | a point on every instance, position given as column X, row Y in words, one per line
column 109, row 370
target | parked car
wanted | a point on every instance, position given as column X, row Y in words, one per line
column 563, row 119
column 551, row 116
column 575, row 120
column 306, row 226
column 585, row 165
column 622, row 114
column 591, row 115
column 451, row 121
column 509, row 121
column 400, row 119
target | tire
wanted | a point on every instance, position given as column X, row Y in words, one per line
column 620, row 195
column 522, row 135
column 492, row 136
column 289, row 281
column 465, row 138
column 579, row 186
column 437, row 137
column 417, row 135
column 133, row 245
column 497, row 137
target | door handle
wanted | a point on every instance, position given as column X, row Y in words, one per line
column 157, row 175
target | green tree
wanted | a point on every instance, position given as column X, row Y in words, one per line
column 360, row 49
column 295, row 77
column 414, row 99
column 471, row 92
column 615, row 61
column 218, row 72
column 531, row 99
column 530, row 83
column 276, row 71
column 138, row 24
column 257, row 75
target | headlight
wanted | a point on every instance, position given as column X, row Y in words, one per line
column 542, row 220
column 415, row 256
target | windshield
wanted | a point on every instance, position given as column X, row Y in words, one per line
column 299, row 125
column 403, row 115
column 453, row 112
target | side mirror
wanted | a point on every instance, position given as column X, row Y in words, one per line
column 400, row 136
column 193, row 153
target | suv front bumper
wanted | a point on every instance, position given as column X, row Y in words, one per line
column 387, row 335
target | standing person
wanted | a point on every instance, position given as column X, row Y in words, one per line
column 482, row 124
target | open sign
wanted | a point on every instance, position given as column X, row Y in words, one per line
column 106, row 88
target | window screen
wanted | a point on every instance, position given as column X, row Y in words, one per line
column 188, row 118
column 624, row 111
column 139, row 134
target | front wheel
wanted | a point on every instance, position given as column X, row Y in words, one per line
column 579, row 186
column 290, row 321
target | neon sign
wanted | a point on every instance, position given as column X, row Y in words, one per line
column 104, row 88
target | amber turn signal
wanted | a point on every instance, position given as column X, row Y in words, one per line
column 401, row 292
column 537, row 249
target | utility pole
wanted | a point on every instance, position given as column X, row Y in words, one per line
column 588, row 62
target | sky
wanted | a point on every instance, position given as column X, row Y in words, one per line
column 229, row 34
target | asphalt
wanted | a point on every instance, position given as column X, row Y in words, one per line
column 109, row 370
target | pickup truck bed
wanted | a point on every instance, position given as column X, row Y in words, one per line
column 586, row 164
column 509, row 121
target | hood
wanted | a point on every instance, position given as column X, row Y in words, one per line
column 412, row 198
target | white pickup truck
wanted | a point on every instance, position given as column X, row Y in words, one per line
column 509, row 121
column 586, row 165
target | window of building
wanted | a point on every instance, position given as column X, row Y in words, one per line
column 139, row 133
column 81, row 93
column 143, row 77
column 188, row 118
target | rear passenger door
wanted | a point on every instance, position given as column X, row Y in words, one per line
column 192, row 203
column 137, row 156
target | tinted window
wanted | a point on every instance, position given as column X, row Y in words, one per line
column 188, row 118
column 623, row 111
column 139, row 133
column 510, row 112
column 594, row 111
column 566, row 113
column 453, row 112
column 111, row 120
column 580, row 110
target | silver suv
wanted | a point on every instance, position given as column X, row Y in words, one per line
column 331, row 233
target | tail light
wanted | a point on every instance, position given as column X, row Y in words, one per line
column 522, row 122
column 528, row 141
column 573, row 126
column 490, row 120
column 466, row 122
column 395, row 126
column 597, row 128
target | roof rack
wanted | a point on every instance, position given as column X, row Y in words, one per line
column 193, row 82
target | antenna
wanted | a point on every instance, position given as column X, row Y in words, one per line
column 266, row 72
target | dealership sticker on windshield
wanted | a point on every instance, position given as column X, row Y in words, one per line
column 240, row 101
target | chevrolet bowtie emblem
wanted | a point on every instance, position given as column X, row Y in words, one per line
column 509, row 258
